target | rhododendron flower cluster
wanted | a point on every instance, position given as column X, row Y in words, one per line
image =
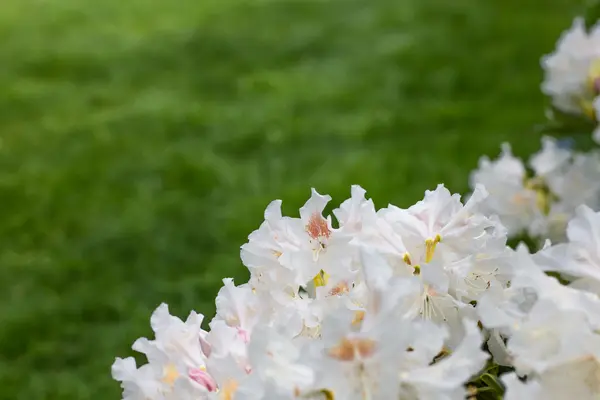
column 572, row 73
column 539, row 202
column 391, row 303
column 424, row 302
column 380, row 307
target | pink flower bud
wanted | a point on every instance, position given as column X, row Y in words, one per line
column 201, row 377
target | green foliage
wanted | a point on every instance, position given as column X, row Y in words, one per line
column 141, row 141
column 592, row 12
column 560, row 124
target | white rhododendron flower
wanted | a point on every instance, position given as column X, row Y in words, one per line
column 176, row 362
column 539, row 204
column 357, row 310
column 510, row 195
column 579, row 258
column 399, row 303
column 572, row 72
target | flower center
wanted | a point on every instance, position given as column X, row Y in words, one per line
column 339, row 289
column 430, row 245
column 593, row 88
column 359, row 317
column 317, row 227
column 170, row 374
column 321, row 279
column 593, row 78
column 543, row 195
column 228, row 390
column 351, row 349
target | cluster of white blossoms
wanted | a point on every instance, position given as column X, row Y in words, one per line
column 549, row 332
column 572, row 73
column 380, row 307
column 425, row 302
column 539, row 202
column 390, row 304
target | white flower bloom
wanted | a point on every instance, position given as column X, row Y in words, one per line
column 227, row 341
column 530, row 285
column 229, row 376
column 139, row 384
column 383, row 307
column 445, row 379
column 354, row 211
column 547, row 325
column 572, row 71
column 440, row 217
column 265, row 247
column 550, row 159
column 175, row 354
column 579, row 258
column 238, row 306
column 358, row 364
column 577, row 182
column 542, row 205
column 296, row 248
column 454, row 253
column 550, row 337
column 509, row 197
column 276, row 361
column 578, row 379
column 515, row 389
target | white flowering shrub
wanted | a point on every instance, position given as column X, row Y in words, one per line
column 427, row 302
column 540, row 200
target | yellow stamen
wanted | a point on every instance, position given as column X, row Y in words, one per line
column 359, row 316
column 328, row 394
column 430, row 245
column 543, row 196
column 228, row 390
column 593, row 90
column 542, row 200
column 587, row 107
column 322, row 394
column 593, row 75
column 417, row 270
column 171, row 374
column 407, row 259
column 321, row 279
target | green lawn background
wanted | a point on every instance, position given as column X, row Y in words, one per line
column 141, row 140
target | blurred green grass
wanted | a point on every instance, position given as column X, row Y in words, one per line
column 141, row 141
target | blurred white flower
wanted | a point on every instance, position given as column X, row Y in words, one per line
column 542, row 204
column 577, row 379
column 572, row 71
column 579, row 258
column 505, row 179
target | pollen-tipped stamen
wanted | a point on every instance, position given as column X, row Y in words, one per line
column 430, row 245
column 321, row 279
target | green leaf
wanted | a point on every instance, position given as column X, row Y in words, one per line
column 492, row 369
column 561, row 123
column 592, row 13
column 492, row 382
